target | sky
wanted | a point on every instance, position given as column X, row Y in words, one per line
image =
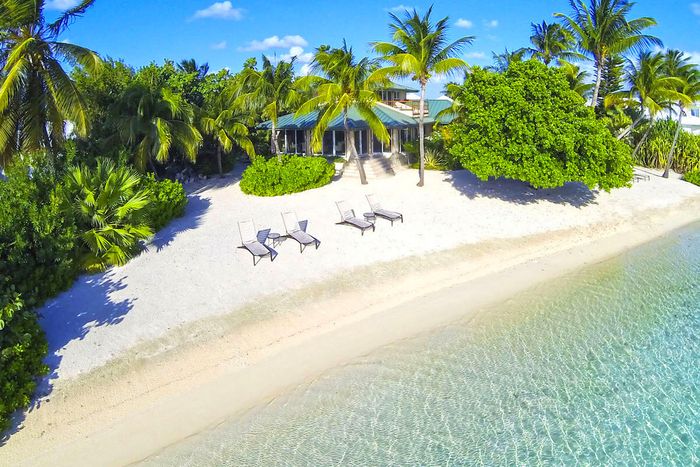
column 226, row 33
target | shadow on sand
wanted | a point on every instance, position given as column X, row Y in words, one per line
column 514, row 191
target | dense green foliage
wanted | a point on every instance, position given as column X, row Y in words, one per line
column 527, row 124
column 167, row 200
column 655, row 149
column 293, row 174
column 692, row 177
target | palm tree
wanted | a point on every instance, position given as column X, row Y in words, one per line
column 578, row 79
column 225, row 123
column 602, row 29
column 502, row 61
column 649, row 89
column 152, row 122
column 677, row 65
column 419, row 50
column 551, row 42
column 270, row 91
column 109, row 207
column 345, row 84
column 190, row 66
column 37, row 96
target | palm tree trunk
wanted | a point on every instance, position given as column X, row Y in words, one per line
column 675, row 140
column 629, row 129
column 641, row 141
column 598, row 80
column 350, row 148
column 421, row 135
column 218, row 160
column 274, row 146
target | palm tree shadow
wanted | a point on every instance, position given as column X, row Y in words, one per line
column 196, row 207
column 515, row 191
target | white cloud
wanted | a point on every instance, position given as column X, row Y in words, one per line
column 464, row 23
column 694, row 57
column 476, row 55
column 219, row 45
column 298, row 52
column 61, row 4
column 401, row 8
column 275, row 42
column 219, row 10
column 491, row 24
column 695, row 8
column 305, row 70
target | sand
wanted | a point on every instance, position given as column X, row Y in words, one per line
column 189, row 333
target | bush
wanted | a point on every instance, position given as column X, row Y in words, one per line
column 22, row 350
column 692, row 177
column 168, row 200
column 527, row 124
column 292, row 175
column 654, row 151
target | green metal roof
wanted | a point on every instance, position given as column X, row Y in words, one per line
column 435, row 106
column 399, row 87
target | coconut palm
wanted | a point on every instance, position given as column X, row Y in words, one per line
column 224, row 121
column 551, row 42
column 269, row 91
column 578, row 79
column 190, row 66
column 109, row 209
column 649, row 89
column 420, row 49
column 601, row 29
column 343, row 83
column 153, row 122
column 37, row 96
column 502, row 61
column 677, row 65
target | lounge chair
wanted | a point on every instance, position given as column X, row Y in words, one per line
column 348, row 217
column 381, row 212
column 297, row 231
column 254, row 241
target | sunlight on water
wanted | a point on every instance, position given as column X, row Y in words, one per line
column 600, row 367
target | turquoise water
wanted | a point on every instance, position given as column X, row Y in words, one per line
column 601, row 367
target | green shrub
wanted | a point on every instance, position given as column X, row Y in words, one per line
column 527, row 124
column 692, row 177
column 654, row 152
column 206, row 163
column 22, row 350
column 168, row 200
column 292, row 175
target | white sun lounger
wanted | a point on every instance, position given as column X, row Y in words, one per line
column 348, row 217
column 297, row 231
column 381, row 212
column 254, row 241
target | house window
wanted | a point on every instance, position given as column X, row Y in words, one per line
column 695, row 112
column 339, row 143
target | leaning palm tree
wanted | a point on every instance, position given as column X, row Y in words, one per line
column 343, row 84
column 269, row 91
column 678, row 65
column 420, row 49
column 152, row 122
column 602, row 30
column 37, row 96
column 551, row 42
column 224, row 122
column 650, row 90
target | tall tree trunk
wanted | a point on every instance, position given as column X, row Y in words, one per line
column 275, row 146
column 598, row 79
column 421, row 134
column 218, row 160
column 675, row 140
column 350, row 148
column 629, row 129
column 641, row 141
column 153, row 167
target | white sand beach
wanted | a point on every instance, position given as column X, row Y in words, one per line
column 144, row 355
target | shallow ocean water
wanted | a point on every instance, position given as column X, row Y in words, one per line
column 601, row 367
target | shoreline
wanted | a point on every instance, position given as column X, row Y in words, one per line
column 138, row 405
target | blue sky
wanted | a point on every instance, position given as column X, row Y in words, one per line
column 226, row 33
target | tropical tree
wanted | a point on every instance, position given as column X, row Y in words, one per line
column 601, row 29
column 677, row 65
column 551, row 42
column 190, row 66
column 578, row 79
column 343, row 83
column 152, row 122
column 269, row 91
column 109, row 209
column 649, row 89
column 224, row 121
column 502, row 61
column 419, row 50
column 37, row 96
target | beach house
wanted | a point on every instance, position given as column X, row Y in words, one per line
column 397, row 110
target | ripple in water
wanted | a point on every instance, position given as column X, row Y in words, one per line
column 600, row 367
